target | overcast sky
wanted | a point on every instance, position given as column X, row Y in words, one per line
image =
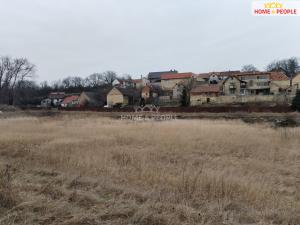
column 80, row 37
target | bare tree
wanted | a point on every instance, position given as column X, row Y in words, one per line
column 77, row 82
column 249, row 68
column 67, row 82
column 109, row 77
column 72, row 82
column 94, row 80
column 290, row 67
column 11, row 72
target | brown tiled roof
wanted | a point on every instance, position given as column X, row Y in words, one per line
column 169, row 76
column 206, row 88
column 278, row 76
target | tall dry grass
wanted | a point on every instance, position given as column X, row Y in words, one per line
column 177, row 172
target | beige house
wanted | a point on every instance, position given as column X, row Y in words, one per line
column 296, row 80
column 122, row 96
column 233, row 86
column 170, row 80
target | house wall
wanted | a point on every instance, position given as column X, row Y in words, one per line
column 229, row 84
column 116, row 97
column 282, row 83
column 139, row 85
column 146, row 92
column 178, row 91
column 169, row 84
column 125, row 100
column 196, row 100
column 83, row 99
column 296, row 80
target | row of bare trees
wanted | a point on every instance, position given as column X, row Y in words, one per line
column 93, row 80
column 18, row 87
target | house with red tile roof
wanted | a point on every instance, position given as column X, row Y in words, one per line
column 155, row 77
column 70, row 101
column 170, row 80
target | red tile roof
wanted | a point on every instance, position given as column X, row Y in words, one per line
column 170, row 76
column 69, row 99
column 278, row 76
column 207, row 88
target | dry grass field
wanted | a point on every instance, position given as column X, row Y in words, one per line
column 76, row 170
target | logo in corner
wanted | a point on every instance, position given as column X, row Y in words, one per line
column 276, row 8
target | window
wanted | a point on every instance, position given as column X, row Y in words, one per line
column 232, row 91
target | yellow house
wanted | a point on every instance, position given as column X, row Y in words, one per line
column 296, row 80
column 122, row 96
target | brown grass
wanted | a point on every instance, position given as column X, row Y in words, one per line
column 75, row 170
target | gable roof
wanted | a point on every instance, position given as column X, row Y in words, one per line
column 170, row 76
column 236, row 77
column 297, row 77
column 97, row 97
column 70, row 99
column 278, row 76
column 157, row 75
column 129, row 92
column 206, row 88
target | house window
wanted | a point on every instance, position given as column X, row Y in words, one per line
column 232, row 91
column 232, row 85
